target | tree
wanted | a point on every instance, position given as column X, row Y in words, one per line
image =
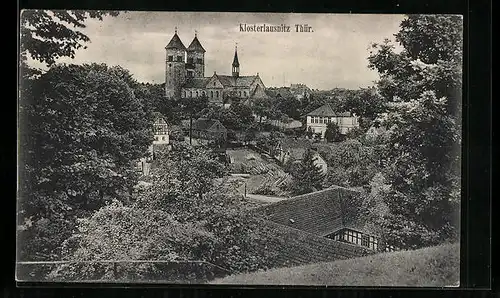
column 365, row 103
column 82, row 129
column 192, row 106
column 422, row 83
column 307, row 176
column 47, row 35
column 332, row 133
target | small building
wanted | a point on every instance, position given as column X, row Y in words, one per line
column 209, row 129
column 161, row 139
column 317, row 120
column 161, row 131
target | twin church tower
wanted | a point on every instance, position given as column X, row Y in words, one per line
column 185, row 74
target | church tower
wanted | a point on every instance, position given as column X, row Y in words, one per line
column 236, row 64
column 175, row 68
column 195, row 65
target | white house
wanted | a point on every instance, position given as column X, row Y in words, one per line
column 161, row 138
column 317, row 120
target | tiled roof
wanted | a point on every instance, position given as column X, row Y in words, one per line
column 241, row 81
column 321, row 213
column 196, row 83
column 327, row 111
column 195, row 46
column 175, row 43
column 205, row 124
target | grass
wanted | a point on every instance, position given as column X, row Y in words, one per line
column 436, row 266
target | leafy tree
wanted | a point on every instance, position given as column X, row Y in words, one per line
column 82, row 128
column 367, row 104
column 49, row 35
column 423, row 84
column 192, row 106
column 332, row 133
column 307, row 176
column 351, row 163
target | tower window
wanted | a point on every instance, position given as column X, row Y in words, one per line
column 216, row 94
column 211, row 94
column 170, row 58
column 199, row 61
column 196, row 93
column 169, row 65
column 190, row 60
column 190, row 94
column 179, row 58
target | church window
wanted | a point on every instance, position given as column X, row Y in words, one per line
column 190, row 94
column 211, row 94
column 179, row 58
column 240, row 93
column 170, row 58
column 199, row 61
column 196, row 93
column 183, row 93
column 246, row 93
column 203, row 92
column 169, row 65
column 216, row 94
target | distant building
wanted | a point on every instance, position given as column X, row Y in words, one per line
column 161, row 139
column 185, row 75
column 208, row 129
column 317, row 120
column 161, row 132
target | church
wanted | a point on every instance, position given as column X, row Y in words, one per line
column 185, row 76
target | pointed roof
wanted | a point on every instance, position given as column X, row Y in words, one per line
column 236, row 63
column 326, row 110
column 195, row 46
column 175, row 43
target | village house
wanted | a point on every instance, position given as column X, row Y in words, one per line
column 300, row 91
column 332, row 213
column 209, row 129
column 161, row 139
column 317, row 120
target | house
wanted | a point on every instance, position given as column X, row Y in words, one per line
column 161, row 134
column 317, row 120
column 161, row 131
column 333, row 213
column 209, row 129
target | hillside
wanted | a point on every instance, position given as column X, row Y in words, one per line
column 429, row 267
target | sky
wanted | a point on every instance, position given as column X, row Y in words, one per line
column 333, row 55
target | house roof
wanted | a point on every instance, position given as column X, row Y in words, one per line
column 175, row 43
column 321, row 213
column 206, row 124
column 240, row 81
column 195, row 46
column 326, row 110
column 196, row 83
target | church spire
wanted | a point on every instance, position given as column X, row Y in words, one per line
column 236, row 63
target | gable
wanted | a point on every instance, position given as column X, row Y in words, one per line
column 214, row 82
